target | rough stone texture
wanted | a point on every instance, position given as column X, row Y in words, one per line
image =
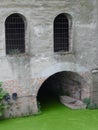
column 72, row 102
column 95, row 87
column 23, row 106
column 24, row 74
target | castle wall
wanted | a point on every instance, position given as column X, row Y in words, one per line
column 23, row 74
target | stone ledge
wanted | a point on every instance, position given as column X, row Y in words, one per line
column 72, row 103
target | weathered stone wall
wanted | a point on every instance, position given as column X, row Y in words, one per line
column 24, row 74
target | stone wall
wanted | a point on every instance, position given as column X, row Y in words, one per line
column 24, row 74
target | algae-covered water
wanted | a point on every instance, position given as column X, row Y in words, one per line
column 54, row 116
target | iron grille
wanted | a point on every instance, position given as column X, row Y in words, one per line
column 15, row 33
column 61, row 33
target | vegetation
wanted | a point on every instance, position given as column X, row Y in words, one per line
column 39, row 107
column 14, row 52
column 2, row 95
column 87, row 101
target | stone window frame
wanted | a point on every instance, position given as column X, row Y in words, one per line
column 27, row 47
column 70, row 19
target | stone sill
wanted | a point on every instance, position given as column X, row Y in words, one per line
column 63, row 53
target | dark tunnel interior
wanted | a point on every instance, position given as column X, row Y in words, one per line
column 47, row 92
column 60, row 84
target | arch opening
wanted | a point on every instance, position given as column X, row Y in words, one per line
column 15, row 33
column 62, row 25
column 64, row 83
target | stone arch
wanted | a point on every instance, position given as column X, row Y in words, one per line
column 19, row 13
column 25, row 19
column 81, row 71
column 15, row 33
column 63, row 83
column 62, row 29
column 60, row 67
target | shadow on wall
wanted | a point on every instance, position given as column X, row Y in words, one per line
column 59, row 84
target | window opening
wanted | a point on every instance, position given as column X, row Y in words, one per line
column 15, row 34
column 61, row 33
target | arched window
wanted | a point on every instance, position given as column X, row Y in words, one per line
column 61, row 33
column 15, row 34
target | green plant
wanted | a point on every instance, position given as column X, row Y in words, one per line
column 14, row 52
column 87, row 101
column 1, row 84
column 92, row 106
column 39, row 108
column 2, row 95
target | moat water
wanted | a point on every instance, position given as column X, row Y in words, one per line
column 54, row 116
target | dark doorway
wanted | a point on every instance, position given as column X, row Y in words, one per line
column 60, row 84
column 46, row 94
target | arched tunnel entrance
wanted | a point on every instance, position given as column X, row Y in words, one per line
column 59, row 84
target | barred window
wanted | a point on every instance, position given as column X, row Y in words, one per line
column 61, row 33
column 15, row 34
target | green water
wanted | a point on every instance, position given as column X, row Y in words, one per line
column 54, row 117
